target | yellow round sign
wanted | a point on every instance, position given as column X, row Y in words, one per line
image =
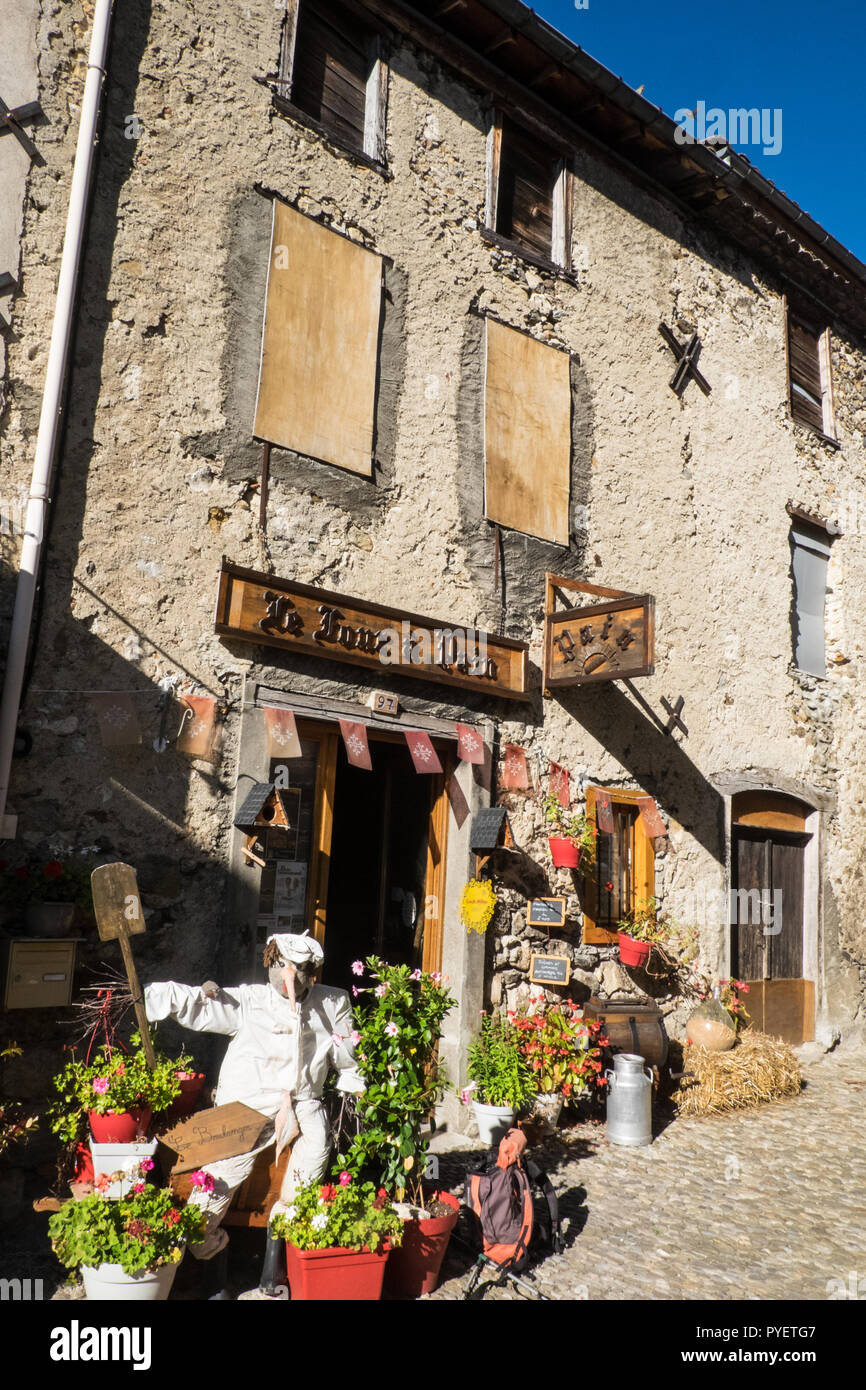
column 477, row 904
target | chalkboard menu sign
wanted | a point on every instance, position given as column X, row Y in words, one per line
column 546, row 912
column 550, row 970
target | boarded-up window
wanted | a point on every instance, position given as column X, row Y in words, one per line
column 527, row 434
column 317, row 384
column 528, row 172
column 329, row 54
column 810, row 555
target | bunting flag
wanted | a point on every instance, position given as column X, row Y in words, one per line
column 283, row 741
column 118, row 721
column 650, row 818
column 457, row 800
column 470, row 744
column 603, row 813
column 356, row 745
column 515, row 774
column 422, row 752
column 198, row 735
column 559, row 784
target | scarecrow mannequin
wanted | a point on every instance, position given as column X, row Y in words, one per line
column 286, row 1038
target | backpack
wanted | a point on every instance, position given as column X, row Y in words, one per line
column 502, row 1196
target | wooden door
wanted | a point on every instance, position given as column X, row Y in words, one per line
column 767, row 926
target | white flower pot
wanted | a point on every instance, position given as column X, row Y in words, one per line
column 493, row 1121
column 549, row 1105
column 114, row 1158
column 108, row 1283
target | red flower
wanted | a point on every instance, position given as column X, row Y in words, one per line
column 328, row 1193
column 608, row 887
column 53, row 869
column 172, row 1217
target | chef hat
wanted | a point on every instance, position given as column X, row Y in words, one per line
column 298, row 948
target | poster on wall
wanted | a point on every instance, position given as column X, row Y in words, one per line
column 290, row 895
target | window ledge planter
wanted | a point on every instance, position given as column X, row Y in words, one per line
column 633, row 952
column 336, row 1274
column 109, row 1282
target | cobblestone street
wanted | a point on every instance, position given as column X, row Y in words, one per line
column 763, row 1204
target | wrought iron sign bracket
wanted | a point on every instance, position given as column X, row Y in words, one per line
column 610, row 640
column 687, row 360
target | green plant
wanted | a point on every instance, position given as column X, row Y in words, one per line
column 571, row 825
column 562, row 1049
column 346, row 1215
column 399, row 1023
column 138, row 1232
column 497, row 1069
column 642, row 923
column 15, row 1123
column 57, row 881
column 111, row 1080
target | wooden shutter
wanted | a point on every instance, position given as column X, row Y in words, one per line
column 804, row 358
column 527, row 172
column 332, row 62
column 317, row 384
column 527, row 434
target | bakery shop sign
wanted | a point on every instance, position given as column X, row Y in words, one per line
column 597, row 642
column 256, row 607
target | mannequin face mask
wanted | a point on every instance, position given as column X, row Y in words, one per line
column 303, row 977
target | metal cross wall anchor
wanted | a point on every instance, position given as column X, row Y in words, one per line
column 675, row 722
column 14, row 120
column 687, row 358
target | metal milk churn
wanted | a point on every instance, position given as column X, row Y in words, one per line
column 629, row 1101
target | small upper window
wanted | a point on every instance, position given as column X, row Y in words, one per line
column 528, row 193
column 809, row 375
column 331, row 71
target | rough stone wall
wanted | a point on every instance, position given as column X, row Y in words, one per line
column 684, row 499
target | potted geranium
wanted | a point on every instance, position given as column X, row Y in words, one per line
column 574, row 837
column 128, row 1248
column 563, row 1050
column 338, row 1237
column 399, row 1023
column 639, row 931
column 501, row 1081
column 115, row 1091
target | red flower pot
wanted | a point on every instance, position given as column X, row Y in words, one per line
column 83, row 1164
column 336, row 1275
column 119, row 1126
column 565, row 853
column 190, row 1090
column 414, row 1266
column 633, row 952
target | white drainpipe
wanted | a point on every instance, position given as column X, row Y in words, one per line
column 49, row 420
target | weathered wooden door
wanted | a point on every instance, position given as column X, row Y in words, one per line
column 767, row 927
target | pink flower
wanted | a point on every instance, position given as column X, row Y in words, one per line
column 355, row 992
column 100, row 1085
column 381, row 990
column 436, row 976
column 416, row 975
column 337, row 1039
column 345, row 1179
column 391, row 1030
column 202, row 1179
column 138, row 1186
column 146, row 1165
column 102, row 1182
column 354, row 1037
column 357, row 967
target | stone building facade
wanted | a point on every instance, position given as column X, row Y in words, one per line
column 688, row 497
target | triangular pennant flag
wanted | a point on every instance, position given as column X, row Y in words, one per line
column 423, row 753
column 603, row 813
column 515, row 774
column 355, row 743
column 470, row 744
column 650, row 819
column 283, row 741
column 118, row 721
column 457, row 799
column 559, row 784
column 197, row 737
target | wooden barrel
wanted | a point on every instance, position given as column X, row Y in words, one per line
column 631, row 1027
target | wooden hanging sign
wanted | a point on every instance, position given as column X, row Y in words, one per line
column 546, row 912
column 260, row 608
column 119, row 915
column 550, row 970
column 607, row 641
column 223, row 1132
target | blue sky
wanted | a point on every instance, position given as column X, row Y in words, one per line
column 807, row 59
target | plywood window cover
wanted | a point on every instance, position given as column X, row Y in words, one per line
column 526, row 459
column 336, row 294
column 644, row 868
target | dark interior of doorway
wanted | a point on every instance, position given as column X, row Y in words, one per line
column 378, row 863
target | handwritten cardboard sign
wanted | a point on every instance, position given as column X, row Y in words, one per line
column 223, row 1132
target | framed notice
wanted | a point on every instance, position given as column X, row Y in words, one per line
column 550, row 970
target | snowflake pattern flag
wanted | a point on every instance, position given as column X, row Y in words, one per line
column 423, row 753
column 470, row 744
column 559, row 784
column 118, row 721
column 198, row 735
column 355, row 743
column 515, row 775
column 283, row 740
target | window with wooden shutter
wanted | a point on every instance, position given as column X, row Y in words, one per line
column 810, row 557
column 331, row 72
column 529, row 193
column 624, row 873
column 809, row 375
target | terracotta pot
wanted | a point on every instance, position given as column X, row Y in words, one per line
column 633, row 952
column 336, row 1275
column 712, row 1027
column 414, row 1266
column 190, row 1089
column 119, row 1126
column 565, row 853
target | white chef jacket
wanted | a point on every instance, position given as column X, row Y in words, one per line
column 263, row 1059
